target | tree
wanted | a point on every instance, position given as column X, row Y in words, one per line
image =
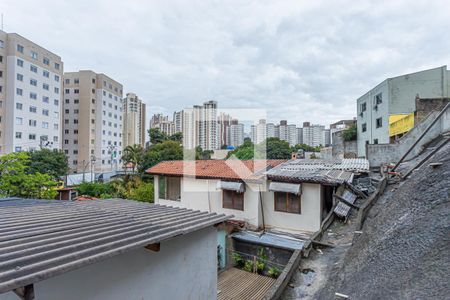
column 17, row 180
column 244, row 151
column 156, row 136
column 133, row 155
column 276, row 149
column 305, row 147
column 350, row 133
column 176, row 137
column 202, row 154
column 168, row 150
column 51, row 162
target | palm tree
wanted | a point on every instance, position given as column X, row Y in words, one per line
column 132, row 155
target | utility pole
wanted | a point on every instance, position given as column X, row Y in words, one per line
column 92, row 164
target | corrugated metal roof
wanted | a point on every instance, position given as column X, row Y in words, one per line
column 43, row 238
column 318, row 170
column 342, row 209
column 270, row 239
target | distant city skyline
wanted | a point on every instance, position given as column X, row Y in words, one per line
column 272, row 59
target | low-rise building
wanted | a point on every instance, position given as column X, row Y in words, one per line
column 292, row 196
column 106, row 249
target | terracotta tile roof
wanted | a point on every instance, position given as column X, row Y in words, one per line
column 231, row 169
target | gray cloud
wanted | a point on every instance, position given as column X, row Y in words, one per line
column 301, row 60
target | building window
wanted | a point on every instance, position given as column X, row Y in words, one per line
column 19, row 77
column 33, row 109
column 19, row 62
column 67, row 101
column 67, row 81
column 76, row 91
column 19, row 48
column 363, row 107
column 33, row 82
column 46, row 61
column 379, row 98
column 56, row 66
column 19, row 91
column 56, row 102
column 45, row 86
column 364, row 127
column 287, row 202
column 33, row 55
column 232, row 200
column 76, row 81
column 45, row 73
column 33, row 69
column 56, row 90
column 76, row 101
column 18, row 149
column 67, row 91
column 19, row 106
column 19, row 121
column 45, row 125
column 375, row 141
column 33, row 96
column 32, row 123
column 31, row 136
column 66, row 142
column 379, row 122
column 170, row 188
column 56, row 78
column 18, row 135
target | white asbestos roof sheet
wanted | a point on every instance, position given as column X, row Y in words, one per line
column 40, row 239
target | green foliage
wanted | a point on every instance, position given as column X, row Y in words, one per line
column 350, row 133
column 96, row 189
column 131, row 187
column 143, row 193
column 261, row 262
column 176, row 137
column 272, row 148
column 17, row 180
column 245, row 151
column 273, row 272
column 133, row 155
column 238, row 260
column 156, row 136
column 305, row 147
column 202, row 154
column 276, row 149
column 248, row 266
column 51, row 162
column 168, row 150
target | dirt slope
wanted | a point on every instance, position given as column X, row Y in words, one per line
column 404, row 251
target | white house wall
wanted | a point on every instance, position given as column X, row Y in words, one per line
column 200, row 194
column 308, row 220
column 184, row 268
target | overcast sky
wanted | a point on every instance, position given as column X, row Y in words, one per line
column 300, row 60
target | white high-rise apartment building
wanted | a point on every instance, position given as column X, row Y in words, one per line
column 299, row 135
column 133, row 121
column 178, row 121
column 93, row 117
column 313, row 135
column 236, row 135
column 30, row 95
column 200, row 127
column 270, row 130
column 292, row 136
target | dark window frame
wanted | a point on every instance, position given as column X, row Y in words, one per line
column 289, row 198
column 237, row 200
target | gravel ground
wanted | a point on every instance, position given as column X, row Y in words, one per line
column 404, row 251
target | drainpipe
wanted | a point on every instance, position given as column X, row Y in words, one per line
column 262, row 207
column 209, row 198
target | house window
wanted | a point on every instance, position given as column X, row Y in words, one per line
column 33, row 69
column 287, row 202
column 46, row 73
column 379, row 122
column 170, row 188
column 19, row 48
column 19, row 77
column 363, row 107
column 379, row 98
column 232, row 200
column 364, row 127
column 46, row 61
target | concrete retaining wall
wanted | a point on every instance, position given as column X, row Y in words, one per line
column 379, row 154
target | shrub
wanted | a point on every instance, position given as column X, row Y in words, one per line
column 238, row 260
column 350, row 133
column 273, row 272
column 143, row 192
column 248, row 266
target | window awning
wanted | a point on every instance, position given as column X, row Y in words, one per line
column 285, row 187
column 231, row 185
